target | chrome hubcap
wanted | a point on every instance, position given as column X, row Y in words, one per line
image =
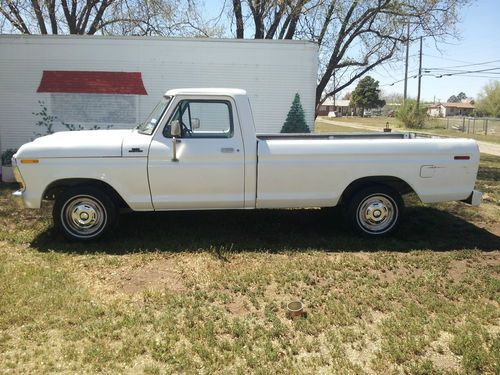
column 84, row 216
column 377, row 213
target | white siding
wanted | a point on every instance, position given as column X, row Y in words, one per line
column 271, row 72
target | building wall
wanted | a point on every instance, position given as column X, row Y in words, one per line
column 436, row 112
column 324, row 110
column 443, row 111
column 458, row 111
column 271, row 72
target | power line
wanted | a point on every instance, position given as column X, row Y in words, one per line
column 440, row 72
column 448, row 59
column 463, row 72
column 466, row 65
column 489, row 77
column 401, row 80
column 451, row 70
column 462, row 76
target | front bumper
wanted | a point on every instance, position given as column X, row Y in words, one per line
column 474, row 198
column 18, row 199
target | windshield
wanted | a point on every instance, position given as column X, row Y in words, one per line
column 148, row 126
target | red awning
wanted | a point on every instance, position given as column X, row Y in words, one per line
column 92, row 82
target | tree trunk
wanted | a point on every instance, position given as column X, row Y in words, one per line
column 240, row 33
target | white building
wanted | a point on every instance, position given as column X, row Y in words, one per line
column 450, row 109
column 341, row 107
column 92, row 81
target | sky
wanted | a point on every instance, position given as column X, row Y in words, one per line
column 479, row 42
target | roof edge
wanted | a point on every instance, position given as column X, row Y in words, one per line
column 156, row 38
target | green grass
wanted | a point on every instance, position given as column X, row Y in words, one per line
column 324, row 127
column 434, row 126
column 492, row 138
column 378, row 121
column 205, row 292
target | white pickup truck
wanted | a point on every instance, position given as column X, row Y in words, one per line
column 198, row 150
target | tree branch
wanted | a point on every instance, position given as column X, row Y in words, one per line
column 17, row 23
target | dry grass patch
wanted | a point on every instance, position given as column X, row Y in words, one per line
column 425, row 301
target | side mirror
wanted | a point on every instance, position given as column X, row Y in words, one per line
column 195, row 123
column 175, row 128
column 175, row 131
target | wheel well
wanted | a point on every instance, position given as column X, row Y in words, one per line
column 395, row 183
column 57, row 187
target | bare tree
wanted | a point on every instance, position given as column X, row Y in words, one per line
column 353, row 36
column 158, row 17
column 117, row 17
column 55, row 16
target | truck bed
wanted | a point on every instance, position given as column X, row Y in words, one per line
column 340, row 136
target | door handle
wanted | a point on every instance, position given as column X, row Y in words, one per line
column 226, row 150
column 135, row 149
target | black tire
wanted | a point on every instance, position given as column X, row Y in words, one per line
column 375, row 210
column 84, row 213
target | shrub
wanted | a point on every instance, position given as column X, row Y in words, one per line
column 7, row 157
column 411, row 116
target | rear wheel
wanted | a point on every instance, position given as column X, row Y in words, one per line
column 84, row 213
column 375, row 210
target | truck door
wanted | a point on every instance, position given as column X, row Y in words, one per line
column 209, row 170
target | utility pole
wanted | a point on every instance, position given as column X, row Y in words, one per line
column 406, row 61
column 419, row 74
column 334, row 88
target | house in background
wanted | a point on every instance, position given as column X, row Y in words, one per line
column 340, row 107
column 451, row 109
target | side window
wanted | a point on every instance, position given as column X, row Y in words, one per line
column 203, row 119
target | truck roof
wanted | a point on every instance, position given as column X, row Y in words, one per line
column 206, row 91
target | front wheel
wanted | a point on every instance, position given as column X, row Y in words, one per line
column 375, row 210
column 84, row 213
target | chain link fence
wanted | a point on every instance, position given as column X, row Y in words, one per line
column 468, row 125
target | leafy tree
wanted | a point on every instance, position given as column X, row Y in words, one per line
column 367, row 95
column 457, row 98
column 489, row 99
column 295, row 120
column 7, row 157
column 461, row 96
column 411, row 115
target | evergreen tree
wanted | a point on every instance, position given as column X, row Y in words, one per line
column 366, row 95
column 461, row 96
column 457, row 98
column 295, row 120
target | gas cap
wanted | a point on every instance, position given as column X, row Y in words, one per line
column 427, row 171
